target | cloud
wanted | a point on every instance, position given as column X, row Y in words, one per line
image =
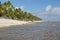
column 16, row 7
column 22, row 7
column 56, row 10
column 50, row 13
column 48, row 8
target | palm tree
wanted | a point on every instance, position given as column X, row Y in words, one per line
column 2, row 11
column 9, row 10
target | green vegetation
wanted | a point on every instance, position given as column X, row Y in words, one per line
column 7, row 9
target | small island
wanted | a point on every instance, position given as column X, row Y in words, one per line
column 12, row 15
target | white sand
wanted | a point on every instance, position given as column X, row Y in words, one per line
column 4, row 22
column 8, row 22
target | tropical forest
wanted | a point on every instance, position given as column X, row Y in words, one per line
column 8, row 10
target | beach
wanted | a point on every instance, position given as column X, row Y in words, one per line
column 9, row 22
column 37, row 31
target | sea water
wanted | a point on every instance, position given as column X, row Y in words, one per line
column 37, row 31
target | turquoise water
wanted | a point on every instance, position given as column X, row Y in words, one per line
column 38, row 31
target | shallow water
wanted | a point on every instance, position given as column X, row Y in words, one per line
column 38, row 31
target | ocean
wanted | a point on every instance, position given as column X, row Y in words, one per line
column 36, row 31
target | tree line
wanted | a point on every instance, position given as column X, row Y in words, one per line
column 8, row 10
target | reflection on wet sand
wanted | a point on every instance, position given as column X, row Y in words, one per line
column 38, row 31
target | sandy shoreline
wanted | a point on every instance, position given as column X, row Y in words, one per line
column 9, row 22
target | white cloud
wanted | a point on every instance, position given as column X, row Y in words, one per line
column 56, row 10
column 22, row 7
column 48, row 8
column 16, row 7
column 52, row 9
column 50, row 13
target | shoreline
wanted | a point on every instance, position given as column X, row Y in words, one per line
column 9, row 22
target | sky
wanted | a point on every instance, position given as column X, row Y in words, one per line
column 48, row 10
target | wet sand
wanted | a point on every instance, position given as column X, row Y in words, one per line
column 38, row 31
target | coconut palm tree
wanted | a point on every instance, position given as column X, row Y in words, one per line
column 2, row 11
